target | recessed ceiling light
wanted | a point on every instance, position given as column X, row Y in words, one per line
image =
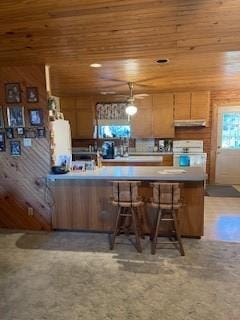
column 95, row 65
column 163, row 61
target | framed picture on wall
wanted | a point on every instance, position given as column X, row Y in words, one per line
column 32, row 94
column 1, row 118
column 20, row 131
column 12, row 93
column 30, row 133
column 41, row 132
column 36, row 117
column 2, row 142
column 15, row 148
column 9, row 133
column 15, row 116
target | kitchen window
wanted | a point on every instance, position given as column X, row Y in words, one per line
column 231, row 130
column 114, row 129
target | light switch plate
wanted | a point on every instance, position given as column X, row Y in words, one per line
column 27, row 142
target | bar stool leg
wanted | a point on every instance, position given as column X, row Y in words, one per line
column 116, row 230
column 140, row 221
column 154, row 241
column 135, row 227
column 178, row 235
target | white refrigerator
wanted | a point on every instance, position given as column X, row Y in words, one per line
column 61, row 143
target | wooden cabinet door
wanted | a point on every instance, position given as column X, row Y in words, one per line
column 200, row 105
column 67, row 102
column 141, row 122
column 84, row 123
column 163, row 115
column 70, row 115
column 182, row 106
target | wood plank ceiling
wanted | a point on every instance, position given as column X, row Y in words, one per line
column 199, row 37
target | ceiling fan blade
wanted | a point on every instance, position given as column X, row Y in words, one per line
column 136, row 84
column 112, row 79
column 114, row 86
column 141, row 95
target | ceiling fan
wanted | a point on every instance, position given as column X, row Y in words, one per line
column 131, row 108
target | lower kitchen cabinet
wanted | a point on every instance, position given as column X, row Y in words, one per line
column 167, row 160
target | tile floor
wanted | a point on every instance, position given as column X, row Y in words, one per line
column 222, row 219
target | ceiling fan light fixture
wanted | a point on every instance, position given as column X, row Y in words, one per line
column 131, row 110
column 95, row 65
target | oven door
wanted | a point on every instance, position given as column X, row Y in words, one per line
column 195, row 159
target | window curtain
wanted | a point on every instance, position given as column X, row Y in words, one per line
column 111, row 111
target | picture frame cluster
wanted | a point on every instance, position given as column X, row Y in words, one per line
column 18, row 122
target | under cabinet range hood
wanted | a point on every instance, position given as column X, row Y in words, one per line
column 190, row 123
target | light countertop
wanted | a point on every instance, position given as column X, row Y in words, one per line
column 140, row 154
column 135, row 173
column 146, row 158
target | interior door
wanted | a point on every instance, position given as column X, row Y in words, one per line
column 228, row 146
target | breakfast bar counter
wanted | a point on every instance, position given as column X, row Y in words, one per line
column 83, row 199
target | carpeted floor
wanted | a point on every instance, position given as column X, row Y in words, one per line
column 222, row 191
column 74, row 276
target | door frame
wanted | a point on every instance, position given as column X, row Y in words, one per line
column 220, row 111
column 221, row 103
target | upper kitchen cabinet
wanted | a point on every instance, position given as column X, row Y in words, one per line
column 85, row 123
column 70, row 115
column 85, row 117
column 67, row 106
column 141, row 122
column 80, row 113
column 182, row 106
column 162, row 124
column 192, row 106
column 200, row 105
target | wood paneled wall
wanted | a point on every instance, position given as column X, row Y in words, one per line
column 22, row 179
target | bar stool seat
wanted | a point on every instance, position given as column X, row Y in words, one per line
column 126, row 198
column 127, row 204
column 164, row 206
column 167, row 199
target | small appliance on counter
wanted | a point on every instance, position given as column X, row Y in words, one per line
column 62, row 164
column 59, row 170
column 108, row 150
column 165, row 145
column 125, row 151
column 83, row 165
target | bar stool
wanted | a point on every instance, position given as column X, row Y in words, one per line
column 126, row 198
column 167, row 200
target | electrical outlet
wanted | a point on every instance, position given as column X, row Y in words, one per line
column 30, row 211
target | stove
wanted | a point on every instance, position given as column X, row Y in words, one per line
column 191, row 150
